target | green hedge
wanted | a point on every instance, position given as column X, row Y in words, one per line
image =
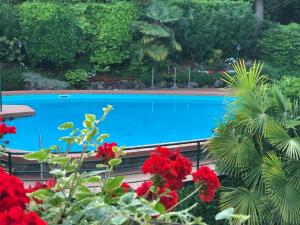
column 113, row 34
column 50, row 33
column 216, row 25
column 280, row 45
column 11, row 79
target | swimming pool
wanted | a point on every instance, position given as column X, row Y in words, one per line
column 137, row 119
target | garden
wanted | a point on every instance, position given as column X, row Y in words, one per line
column 248, row 48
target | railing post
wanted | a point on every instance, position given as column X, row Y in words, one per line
column 9, row 163
column 198, row 154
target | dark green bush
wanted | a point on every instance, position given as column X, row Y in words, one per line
column 289, row 86
column 9, row 25
column 11, row 79
column 112, row 35
column 206, row 210
column 280, row 46
column 50, row 32
column 77, row 78
column 212, row 25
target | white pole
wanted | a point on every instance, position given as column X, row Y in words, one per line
column 152, row 78
column 175, row 74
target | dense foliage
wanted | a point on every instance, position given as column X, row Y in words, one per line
column 290, row 87
column 50, row 33
column 77, row 78
column 280, row 45
column 258, row 143
column 216, row 25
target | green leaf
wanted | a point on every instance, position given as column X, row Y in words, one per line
column 39, row 156
column 117, row 220
column 226, row 214
column 113, row 183
column 115, row 162
column 57, row 172
column 90, row 117
column 160, row 208
column 69, row 140
column 128, row 198
column 102, row 137
column 66, row 126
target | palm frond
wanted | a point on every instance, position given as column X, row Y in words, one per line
column 245, row 80
column 157, row 52
column 232, row 150
column 155, row 30
column 280, row 138
column 282, row 105
column 176, row 45
column 292, row 169
column 246, row 202
column 284, row 197
column 146, row 39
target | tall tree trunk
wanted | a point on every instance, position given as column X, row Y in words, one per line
column 259, row 11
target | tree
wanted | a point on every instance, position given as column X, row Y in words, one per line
column 258, row 146
column 259, row 10
column 157, row 36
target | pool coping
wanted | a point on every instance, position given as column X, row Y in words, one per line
column 177, row 91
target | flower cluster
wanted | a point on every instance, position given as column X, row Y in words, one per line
column 4, row 129
column 105, row 152
column 39, row 185
column 169, row 168
column 206, row 177
column 167, row 197
column 13, row 201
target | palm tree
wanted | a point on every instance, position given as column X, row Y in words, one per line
column 157, row 36
column 258, row 146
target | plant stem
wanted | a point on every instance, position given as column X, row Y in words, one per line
column 186, row 198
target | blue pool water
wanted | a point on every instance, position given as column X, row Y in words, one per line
column 135, row 120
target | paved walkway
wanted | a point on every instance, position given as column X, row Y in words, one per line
column 178, row 91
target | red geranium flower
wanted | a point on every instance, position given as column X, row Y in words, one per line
column 12, row 192
column 167, row 198
column 125, row 187
column 39, row 185
column 6, row 130
column 207, row 177
column 17, row 216
column 171, row 166
column 105, row 152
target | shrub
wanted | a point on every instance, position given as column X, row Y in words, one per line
column 50, row 32
column 9, row 50
column 290, row 86
column 280, row 46
column 215, row 25
column 11, row 79
column 258, row 143
column 77, row 78
column 111, row 24
column 9, row 24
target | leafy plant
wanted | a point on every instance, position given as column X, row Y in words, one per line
column 289, row 86
column 279, row 45
column 258, row 143
column 50, row 33
column 11, row 79
column 158, row 39
column 77, row 78
column 9, row 50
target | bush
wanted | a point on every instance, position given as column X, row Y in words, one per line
column 77, row 78
column 216, row 25
column 9, row 24
column 50, row 32
column 280, row 45
column 111, row 24
column 11, row 79
column 289, row 86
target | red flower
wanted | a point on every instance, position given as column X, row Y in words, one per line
column 171, row 166
column 17, row 216
column 126, row 187
column 167, row 197
column 6, row 130
column 204, row 175
column 210, row 71
column 105, row 152
column 39, row 185
column 12, row 192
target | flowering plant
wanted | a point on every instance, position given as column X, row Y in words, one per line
column 67, row 199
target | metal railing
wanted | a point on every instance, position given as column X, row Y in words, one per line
column 130, row 167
